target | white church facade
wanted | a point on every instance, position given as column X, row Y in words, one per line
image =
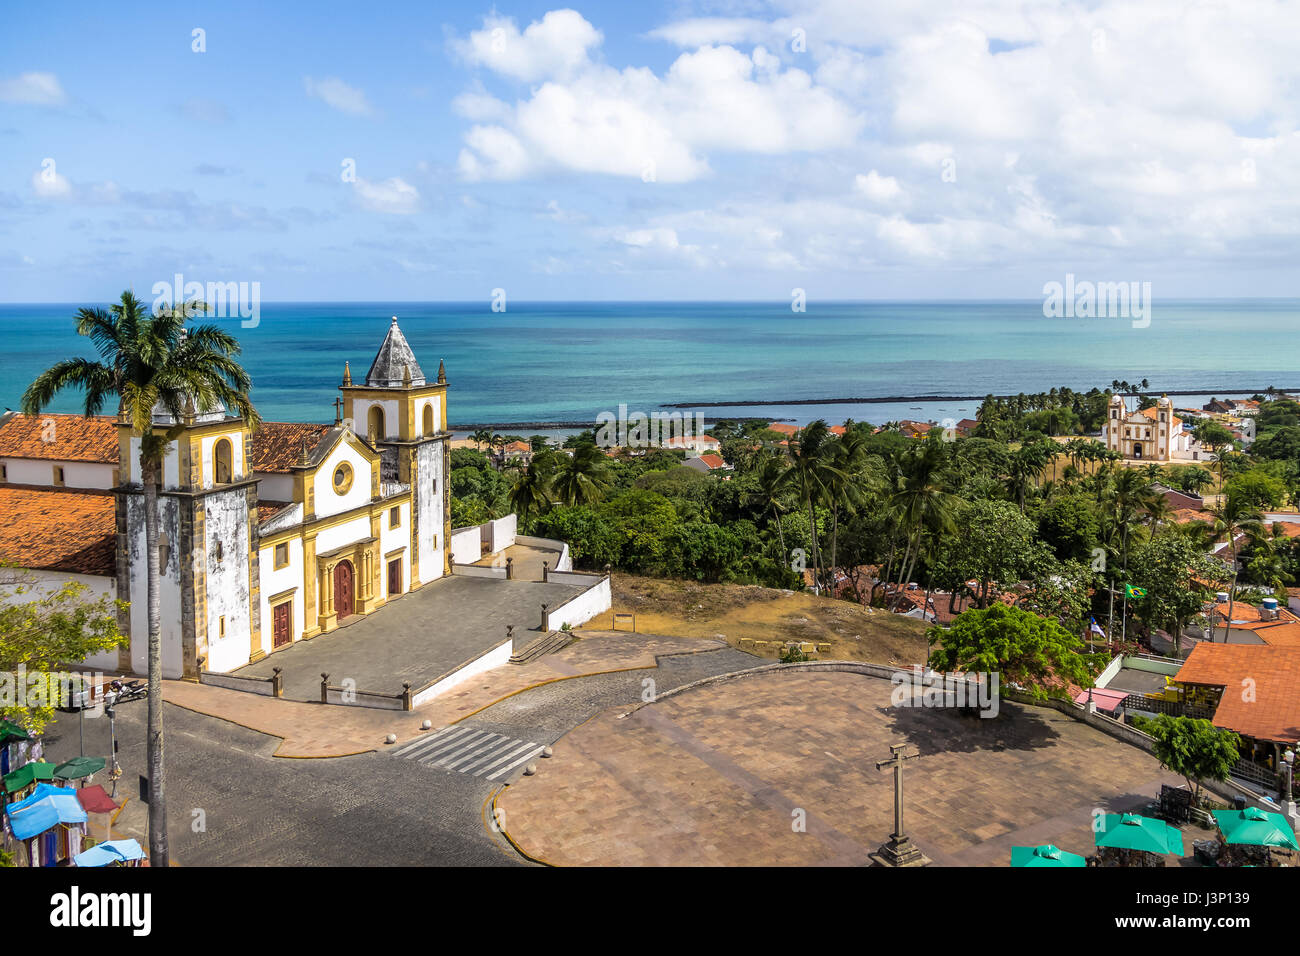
column 269, row 535
column 1152, row 434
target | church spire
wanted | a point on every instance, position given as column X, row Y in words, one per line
column 393, row 361
column 442, row 373
column 347, row 373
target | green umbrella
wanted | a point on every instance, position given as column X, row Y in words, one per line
column 1256, row 827
column 79, row 767
column 1045, row 855
column 28, row 774
column 9, row 732
column 1129, row 831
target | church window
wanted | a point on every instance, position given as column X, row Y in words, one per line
column 4, row 472
column 58, row 475
column 219, row 551
column 428, row 419
column 281, row 554
column 221, row 627
column 375, row 422
column 395, row 517
column 221, row 455
column 343, row 478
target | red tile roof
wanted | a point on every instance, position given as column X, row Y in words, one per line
column 784, row 428
column 278, row 445
column 57, row 530
column 1272, row 710
column 59, row 438
column 712, row 460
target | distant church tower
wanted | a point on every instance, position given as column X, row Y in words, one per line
column 404, row 417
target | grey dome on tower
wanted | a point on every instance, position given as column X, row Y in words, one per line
column 389, row 369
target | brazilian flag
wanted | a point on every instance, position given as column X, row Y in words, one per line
column 1133, row 593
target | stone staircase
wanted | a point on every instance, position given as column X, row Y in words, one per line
column 541, row 646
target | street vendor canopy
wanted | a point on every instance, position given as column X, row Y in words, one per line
column 1130, row 831
column 42, row 810
column 1254, row 826
column 9, row 732
column 110, row 852
column 28, row 774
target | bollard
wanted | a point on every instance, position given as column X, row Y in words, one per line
column 510, row 569
column 545, row 572
column 543, row 627
column 324, row 688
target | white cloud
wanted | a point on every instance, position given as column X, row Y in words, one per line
column 556, row 45
column 337, row 94
column 394, row 196
column 591, row 118
column 49, row 183
column 877, row 188
column 36, row 89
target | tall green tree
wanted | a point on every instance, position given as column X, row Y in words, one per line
column 150, row 362
column 810, row 455
column 581, row 478
column 1194, row 749
column 41, row 630
column 1016, row 644
column 1233, row 518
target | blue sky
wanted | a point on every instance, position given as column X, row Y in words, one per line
column 641, row 151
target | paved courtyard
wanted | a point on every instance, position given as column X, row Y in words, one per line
column 526, row 561
column 417, row 638
column 719, row 775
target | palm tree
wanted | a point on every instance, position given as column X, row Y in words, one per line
column 581, row 477
column 809, row 451
column 481, row 437
column 531, row 491
column 1232, row 519
column 774, row 482
column 921, row 502
column 846, row 483
column 150, row 362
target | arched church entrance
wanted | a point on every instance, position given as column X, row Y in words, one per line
column 344, row 590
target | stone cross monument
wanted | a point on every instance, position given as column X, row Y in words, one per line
column 900, row 850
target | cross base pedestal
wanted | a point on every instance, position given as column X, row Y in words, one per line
column 899, row 853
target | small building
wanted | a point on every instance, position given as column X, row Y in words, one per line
column 708, row 463
column 697, row 444
column 1268, row 717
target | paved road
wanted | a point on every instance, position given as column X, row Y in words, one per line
column 372, row 809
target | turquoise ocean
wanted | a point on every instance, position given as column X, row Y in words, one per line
column 550, row 362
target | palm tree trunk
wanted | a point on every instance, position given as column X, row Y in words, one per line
column 1232, row 594
column 158, row 854
column 781, row 535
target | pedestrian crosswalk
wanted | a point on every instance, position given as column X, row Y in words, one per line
column 466, row 749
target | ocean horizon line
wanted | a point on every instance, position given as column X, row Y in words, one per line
column 487, row 301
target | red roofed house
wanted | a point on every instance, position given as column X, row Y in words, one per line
column 1254, row 690
column 708, row 463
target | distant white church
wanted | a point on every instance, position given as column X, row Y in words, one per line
column 268, row 537
column 1152, row 434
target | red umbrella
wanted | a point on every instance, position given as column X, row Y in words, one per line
column 95, row 799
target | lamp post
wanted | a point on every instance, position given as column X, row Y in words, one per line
column 1289, row 759
column 116, row 771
